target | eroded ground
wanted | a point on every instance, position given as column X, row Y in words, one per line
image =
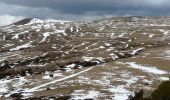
column 104, row 59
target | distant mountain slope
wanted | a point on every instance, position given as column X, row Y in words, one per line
column 23, row 21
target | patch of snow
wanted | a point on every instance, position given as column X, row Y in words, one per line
column 87, row 58
column 166, row 54
column 112, row 34
column 69, row 67
column 58, row 80
column 107, row 44
column 148, row 69
column 35, row 65
column 19, row 82
column 47, row 26
column 24, row 46
column 56, row 74
column 166, row 32
column 45, row 35
column 128, row 78
column 26, row 95
column 92, row 58
column 151, row 35
column 16, row 36
column 101, row 47
column 7, row 45
column 110, row 49
column 35, row 27
column 120, row 93
column 16, row 83
column 71, row 29
column 60, row 31
column 47, row 77
column 35, row 21
column 114, row 56
column 136, row 51
column 147, row 81
column 4, row 86
column 121, row 35
column 54, row 21
column 104, row 81
column 127, row 45
column 54, row 46
column 166, row 35
column 38, row 30
column 91, row 45
column 82, row 95
column 164, row 78
column 129, row 40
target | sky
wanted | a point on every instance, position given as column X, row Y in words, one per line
column 14, row 10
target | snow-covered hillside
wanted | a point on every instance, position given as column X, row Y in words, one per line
column 102, row 59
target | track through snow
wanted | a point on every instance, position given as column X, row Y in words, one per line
column 62, row 79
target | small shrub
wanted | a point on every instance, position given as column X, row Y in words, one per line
column 162, row 92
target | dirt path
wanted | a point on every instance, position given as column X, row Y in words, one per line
column 58, row 80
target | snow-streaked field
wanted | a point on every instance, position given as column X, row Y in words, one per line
column 105, row 59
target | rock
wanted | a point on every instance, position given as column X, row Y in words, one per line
column 16, row 95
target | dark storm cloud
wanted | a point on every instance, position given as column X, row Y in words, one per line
column 83, row 9
column 84, row 6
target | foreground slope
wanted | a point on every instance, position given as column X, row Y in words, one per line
column 108, row 58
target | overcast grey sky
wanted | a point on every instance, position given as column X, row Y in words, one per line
column 12, row 10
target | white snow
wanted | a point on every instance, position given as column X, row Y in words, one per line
column 147, row 81
column 166, row 35
column 55, row 74
column 151, row 35
column 82, row 95
column 19, row 82
column 92, row 58
column 71, row 29
column 55, row 81
column 54, row 21
column 16, row 36
column 69, row 67
column 24, row 46
column 114, row 56
column 121, row 35
column 47, row 77
column 3, row 89
column 4, row 86
column 107, row 44
column 112, row 34
column 45, row 35
column 148, row 69
column 164, row 78
column 87, row 58
column 60, row 31
column 7, row 45
column 120, row 93
column 166, row 54
column 127, row 45
column 35, row 21
column 136, row 51
column 15, row 83
column 165, row 32
column 101, row 47
column 54, row 46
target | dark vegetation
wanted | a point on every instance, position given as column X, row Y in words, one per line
column 161, row 93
